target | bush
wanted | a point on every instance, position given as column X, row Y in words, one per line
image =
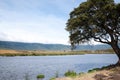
column 70, row 74
column 40, row 76
column 93, row 70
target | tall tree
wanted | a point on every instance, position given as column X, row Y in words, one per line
column 97, row 20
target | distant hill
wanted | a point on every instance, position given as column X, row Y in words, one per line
column 40, row 46
column 32, row 46
column 93, row 47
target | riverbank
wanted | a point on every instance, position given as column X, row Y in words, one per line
column 4, row 52
column 107, row 73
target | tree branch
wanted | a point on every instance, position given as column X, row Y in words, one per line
column 98, row 39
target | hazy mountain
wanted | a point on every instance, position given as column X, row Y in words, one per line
column 32, row 46
column 93, row 47
column 40, row 46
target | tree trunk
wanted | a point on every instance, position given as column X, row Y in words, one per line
column 117, row 51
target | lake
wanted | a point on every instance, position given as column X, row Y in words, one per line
column 21, row 67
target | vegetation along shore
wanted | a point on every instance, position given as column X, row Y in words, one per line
column 111, row 72
column 4, row 52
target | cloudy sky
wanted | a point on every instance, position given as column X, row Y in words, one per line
column 41, row 21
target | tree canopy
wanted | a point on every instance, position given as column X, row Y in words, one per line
column 97, row 20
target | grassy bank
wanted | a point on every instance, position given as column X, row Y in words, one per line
column 50, row 53
column 111, row 72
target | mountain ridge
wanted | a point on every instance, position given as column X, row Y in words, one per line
column 54, row 47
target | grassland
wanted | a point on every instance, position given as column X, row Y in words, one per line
column 4, row 52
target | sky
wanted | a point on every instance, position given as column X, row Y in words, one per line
column 36, row 21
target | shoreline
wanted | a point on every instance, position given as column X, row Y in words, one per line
column 111, row 72
column 4, row 52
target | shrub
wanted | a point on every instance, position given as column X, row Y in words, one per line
column 93, row 70
column 40, row 76
column 70, row 74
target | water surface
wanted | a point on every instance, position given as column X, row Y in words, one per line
column 21, row 67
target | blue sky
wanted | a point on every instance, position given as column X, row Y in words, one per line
column 41, row 21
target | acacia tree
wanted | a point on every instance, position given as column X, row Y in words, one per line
column 97, row 20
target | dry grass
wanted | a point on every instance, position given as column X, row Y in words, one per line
column 45, row 52
column 112, row 73
column 9, row 51
column 36, row 53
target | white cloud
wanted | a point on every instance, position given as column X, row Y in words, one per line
column 34, row 28
column 35, row 20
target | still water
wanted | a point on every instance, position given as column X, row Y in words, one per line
column 22, row 67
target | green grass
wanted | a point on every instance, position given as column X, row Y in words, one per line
column 40, row 76
column 98, row 69
column 94, row 70
column 70, row 74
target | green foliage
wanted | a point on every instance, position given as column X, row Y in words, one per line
column 90, row 71
column 97, row 20
column 40, row 76
column 70, row 74
column 93, row 70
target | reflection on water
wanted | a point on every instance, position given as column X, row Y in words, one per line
column 28, row 67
